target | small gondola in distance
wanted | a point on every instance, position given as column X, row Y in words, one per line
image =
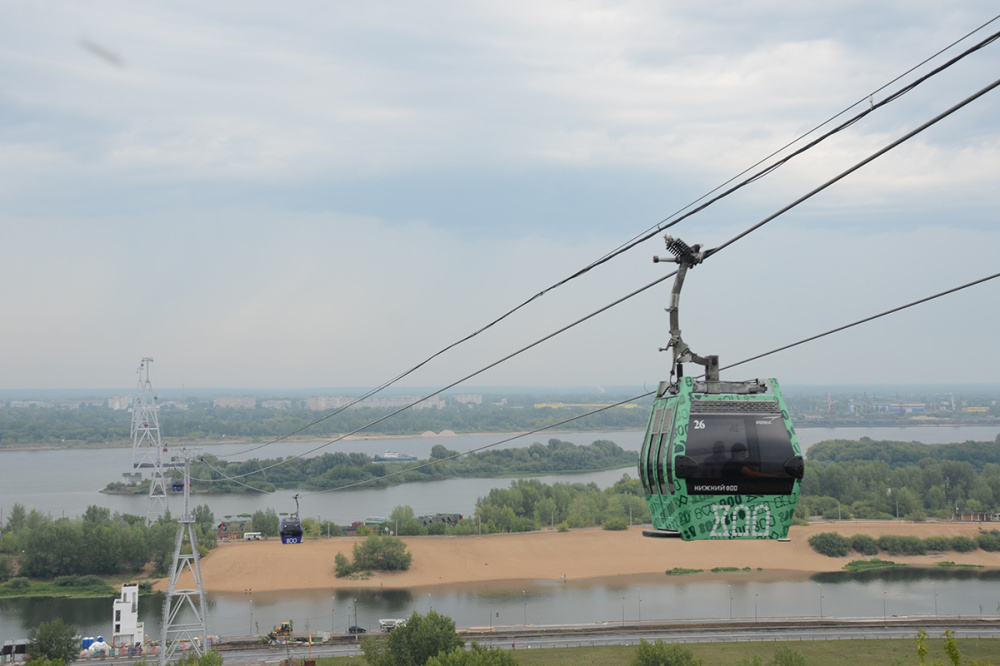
column 720, row 459
column 291, row 527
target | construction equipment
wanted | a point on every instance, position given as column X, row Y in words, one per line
column 284, row 629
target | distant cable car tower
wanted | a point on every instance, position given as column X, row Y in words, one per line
column 175, row 631
column 147, row 451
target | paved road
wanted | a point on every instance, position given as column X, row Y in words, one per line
column 547, row 637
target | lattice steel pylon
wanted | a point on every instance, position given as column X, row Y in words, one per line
column 178, row 631
column 147, row 450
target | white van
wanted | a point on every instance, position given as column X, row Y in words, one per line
column 389, row 625
column 251, row 536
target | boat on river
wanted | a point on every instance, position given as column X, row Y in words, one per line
column 393, row 456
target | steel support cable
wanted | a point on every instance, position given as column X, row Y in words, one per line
column 865, row 320
column 669, row 222
column 812, row 144
column 812, row 338
column 648, row 393
column 871, row 158
column 467, row 377
column 672, row 219
column 708, row 253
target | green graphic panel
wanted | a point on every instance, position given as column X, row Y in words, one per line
column 728, row 515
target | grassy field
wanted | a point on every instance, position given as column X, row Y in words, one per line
column 816, row 653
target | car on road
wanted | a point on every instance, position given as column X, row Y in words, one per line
column 355, row 630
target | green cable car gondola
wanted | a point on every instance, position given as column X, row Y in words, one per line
column 720, row 459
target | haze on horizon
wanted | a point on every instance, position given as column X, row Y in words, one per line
column 255, row 196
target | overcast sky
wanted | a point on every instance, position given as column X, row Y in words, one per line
column 318, row 194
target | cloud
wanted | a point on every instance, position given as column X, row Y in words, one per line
column 326, row 197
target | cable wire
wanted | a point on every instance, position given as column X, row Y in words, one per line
column 812, row 338
column 708, row 253
column 669, row 222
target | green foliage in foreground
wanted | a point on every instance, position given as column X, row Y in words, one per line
column 664, row 654
column 477, row 656
column 422, row 637
column 878, row 652
column 53, row 641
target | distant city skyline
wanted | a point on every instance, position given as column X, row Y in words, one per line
column 330, row 196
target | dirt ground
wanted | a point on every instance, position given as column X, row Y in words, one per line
column 269, row 566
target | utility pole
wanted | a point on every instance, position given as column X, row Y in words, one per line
column 174, row 630
column 147, row 450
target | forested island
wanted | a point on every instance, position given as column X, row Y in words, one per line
column 336, row 470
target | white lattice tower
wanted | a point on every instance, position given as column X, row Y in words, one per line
column 184, row 615
column 147, row 450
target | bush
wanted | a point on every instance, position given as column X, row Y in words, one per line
column 830, row 544
column 963, row 544
column 342, row 565
column 989, row 541
column 616, row 523
column 864, row 544
column 19, row 583
column 384, row 553
column 664, row 654
column 937, row 543
column 902, row 545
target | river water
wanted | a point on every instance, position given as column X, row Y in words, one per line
column 65, row 482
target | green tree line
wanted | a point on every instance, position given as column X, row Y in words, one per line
column 333, row 470
column 98, row 542
column 871, row 479
column 530, row 504
column 93, row 425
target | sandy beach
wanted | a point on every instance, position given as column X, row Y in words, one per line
column 269, row 566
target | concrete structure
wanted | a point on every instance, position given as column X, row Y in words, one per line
column 128, row 631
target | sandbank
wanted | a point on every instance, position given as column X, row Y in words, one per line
column 269, row 566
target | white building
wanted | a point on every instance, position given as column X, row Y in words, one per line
column 128, row 630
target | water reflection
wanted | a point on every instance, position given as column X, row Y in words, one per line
column 909, row 575
column 512, row 604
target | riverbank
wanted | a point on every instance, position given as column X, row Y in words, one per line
column 269, row 566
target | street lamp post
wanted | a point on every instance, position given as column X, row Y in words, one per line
column 523, row 592
column 935, row 600
column 251, row 618
column 883, row 608
column 820, row 600
column 730, row 602
column 755, row 609
column 638, row 593
column 333, row 614
column 355, row 620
